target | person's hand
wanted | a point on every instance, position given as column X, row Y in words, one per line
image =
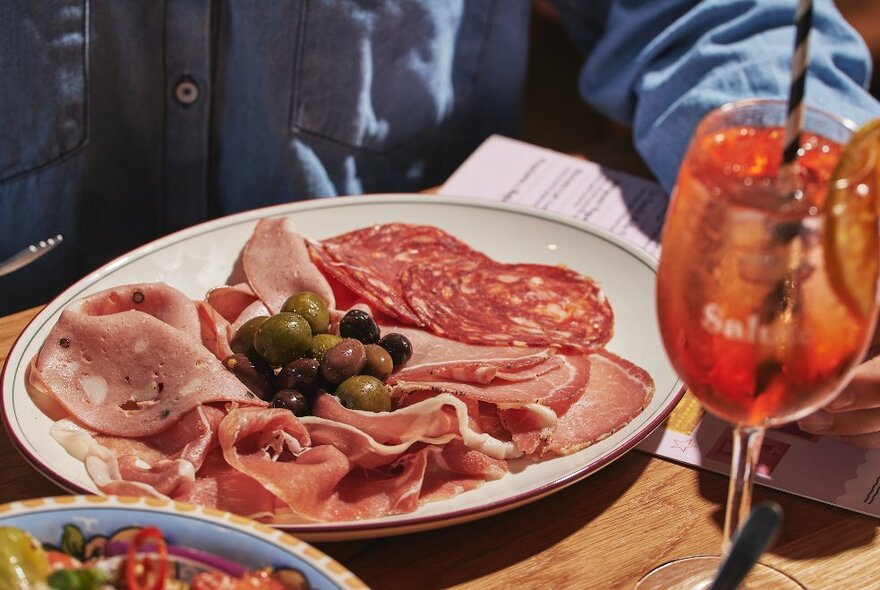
column 854, row 415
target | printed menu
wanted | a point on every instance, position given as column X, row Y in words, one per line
column 791, row 460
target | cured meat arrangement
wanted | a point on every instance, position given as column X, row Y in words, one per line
column 463, row 364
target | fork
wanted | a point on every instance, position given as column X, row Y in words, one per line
column 28, row 255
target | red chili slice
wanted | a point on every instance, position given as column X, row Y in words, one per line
column 158, row 567
column 511, row 304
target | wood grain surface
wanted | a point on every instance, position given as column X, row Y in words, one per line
column 602, row 532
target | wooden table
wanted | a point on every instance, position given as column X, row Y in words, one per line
column 602, row 532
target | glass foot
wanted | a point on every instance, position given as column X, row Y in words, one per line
column 697, row 572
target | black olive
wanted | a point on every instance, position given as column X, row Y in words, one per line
column 301, row 374
column 344, row 360
column 398, row 346
column 359, row 325
column 293, row 400
column 255, row 376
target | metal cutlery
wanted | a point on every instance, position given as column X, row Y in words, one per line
column 28, row 255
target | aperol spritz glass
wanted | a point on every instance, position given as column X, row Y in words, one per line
column 760, row 311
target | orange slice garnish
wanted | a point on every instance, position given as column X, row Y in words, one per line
column 851, row 237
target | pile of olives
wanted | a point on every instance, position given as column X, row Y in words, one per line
column 288, row 358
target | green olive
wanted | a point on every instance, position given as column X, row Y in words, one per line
column 243, row 341
column 312, row 307
column 379, row 364
column 321, row 343
column 283, row 338
column 363, row 392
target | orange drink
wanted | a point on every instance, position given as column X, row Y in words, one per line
column 750, row 318
column 767, row 284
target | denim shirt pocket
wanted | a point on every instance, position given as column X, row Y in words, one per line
column 379, row 79
column 43, row 65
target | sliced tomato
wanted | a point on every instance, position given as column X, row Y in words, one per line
column 62, row 561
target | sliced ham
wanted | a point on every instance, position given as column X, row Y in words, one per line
column 189, row 439
column 164, row 476
column 555, row 386
column 617, row 392
column 100, row 462
column 152, row 466
column 456, row 469
column 277, row 264
column 374, row 493
column 221, row 486
column 529, row 425
column 130, row 374
column 255, row 309
column 435, row 420
column 304, row 478
column 437, row 359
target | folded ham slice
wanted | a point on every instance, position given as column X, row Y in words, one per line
column 435, row 420
column 277, row 264
column 458, row 468
column 219, row 485
column 341, row 473
column 129, row 373
column 436, row 358
column 558, row 385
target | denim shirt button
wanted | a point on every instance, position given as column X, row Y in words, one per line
column 187, row 91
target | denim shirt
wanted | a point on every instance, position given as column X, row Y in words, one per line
column 124, row 121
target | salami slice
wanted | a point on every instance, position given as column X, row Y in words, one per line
column 341, row 273
column 487, row 302
column 369, row 261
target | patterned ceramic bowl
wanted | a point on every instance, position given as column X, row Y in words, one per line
column 85, row 526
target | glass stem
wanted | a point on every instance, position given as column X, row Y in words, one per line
column 746, row 448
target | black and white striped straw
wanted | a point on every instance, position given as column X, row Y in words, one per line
column 795, row 123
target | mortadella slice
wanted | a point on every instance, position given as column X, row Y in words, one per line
column 129, row 373
column 159, row 300
column 277, row 264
